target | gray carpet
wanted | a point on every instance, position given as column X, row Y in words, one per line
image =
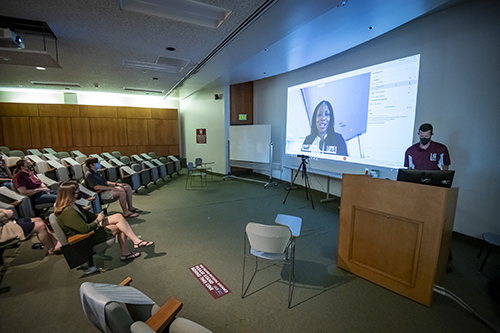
column 41, row 294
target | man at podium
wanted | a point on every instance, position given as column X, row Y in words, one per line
column 427, row 154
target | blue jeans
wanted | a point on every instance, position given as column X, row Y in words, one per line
column 7, row 184
column 44, row 197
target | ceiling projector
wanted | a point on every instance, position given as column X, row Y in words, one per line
column 10, row 39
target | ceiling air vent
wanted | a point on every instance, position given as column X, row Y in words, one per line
column 56, row 84
column 163, row 64
column 150, row 91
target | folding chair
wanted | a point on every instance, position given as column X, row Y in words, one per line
column 177, row 163
column 153, row 169
column 121, row 308
column 78, row 249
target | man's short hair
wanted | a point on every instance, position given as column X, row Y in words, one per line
column 426, row 127
column 90, row 160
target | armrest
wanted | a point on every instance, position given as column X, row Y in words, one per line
column 76, row 238
column 163, row 317
column 126, row 282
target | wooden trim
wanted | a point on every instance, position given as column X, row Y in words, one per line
column 77, row 238
column 163, row 317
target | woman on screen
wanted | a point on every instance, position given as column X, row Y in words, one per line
column 323, row 136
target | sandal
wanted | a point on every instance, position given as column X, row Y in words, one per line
column 132, row 214
column 143, row 244
column 131, row 255
column 136, row 210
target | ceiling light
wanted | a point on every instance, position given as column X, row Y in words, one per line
column 181, row 10
column 40, row 68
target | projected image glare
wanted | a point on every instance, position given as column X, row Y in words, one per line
column 363, row 116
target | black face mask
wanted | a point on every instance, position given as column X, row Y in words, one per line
column 31, row 167
column 79, row 195
column 424, row 141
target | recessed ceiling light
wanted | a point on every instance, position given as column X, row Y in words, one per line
column 40, row 68
column 170, row 48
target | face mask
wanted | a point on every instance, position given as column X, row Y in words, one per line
column 31, row 167
column 98, row 165
column 79, row 196
column 424, row 141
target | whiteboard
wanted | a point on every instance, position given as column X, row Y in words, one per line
column 250, row 143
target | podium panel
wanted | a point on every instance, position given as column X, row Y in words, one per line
column 396, row 234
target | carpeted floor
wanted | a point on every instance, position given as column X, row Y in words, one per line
column 41, row 294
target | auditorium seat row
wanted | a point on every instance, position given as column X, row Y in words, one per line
column 53, row 168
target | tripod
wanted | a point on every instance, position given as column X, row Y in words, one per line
column 303, row 167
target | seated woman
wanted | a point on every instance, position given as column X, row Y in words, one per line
column 95, row 182
column 74, row 220
column 27, row 183
column 323, row 137
column 34, row 225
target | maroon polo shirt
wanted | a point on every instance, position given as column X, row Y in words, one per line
column 28, row 180
column 432, row 158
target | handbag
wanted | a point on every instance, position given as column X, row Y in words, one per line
column 10, row 230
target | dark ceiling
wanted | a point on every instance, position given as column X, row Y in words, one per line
column 258, row 39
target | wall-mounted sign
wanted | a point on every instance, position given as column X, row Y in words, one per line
column 242, row 116
column 201, row 135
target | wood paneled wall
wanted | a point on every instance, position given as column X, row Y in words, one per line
column 242, row 103
column 90, row 129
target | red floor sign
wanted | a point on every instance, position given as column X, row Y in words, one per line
column 212, row 284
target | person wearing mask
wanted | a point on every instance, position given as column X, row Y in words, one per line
column 427, row 154
column 74, row 220
column 108, row 190
column 323, row 137
column 27, row 183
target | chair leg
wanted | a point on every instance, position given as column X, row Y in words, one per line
column 243, row 289
column 291, row 276
column 481, row 251
column 485, row 258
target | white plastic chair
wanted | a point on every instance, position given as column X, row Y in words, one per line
column 272, row 245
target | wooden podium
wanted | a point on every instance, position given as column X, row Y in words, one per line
column 396, row 234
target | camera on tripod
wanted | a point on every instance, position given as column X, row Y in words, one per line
column 305, row 158
column 303, row 168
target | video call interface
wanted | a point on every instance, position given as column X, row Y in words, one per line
column 363, row 116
